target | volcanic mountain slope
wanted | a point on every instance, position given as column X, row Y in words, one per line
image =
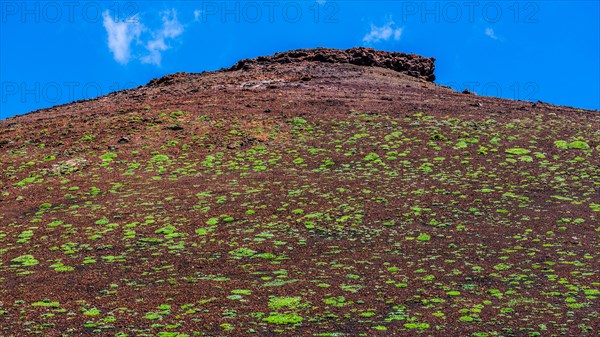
column 315, row 193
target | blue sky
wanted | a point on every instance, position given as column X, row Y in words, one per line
column 54, row 52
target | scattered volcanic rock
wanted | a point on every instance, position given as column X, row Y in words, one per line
column 168, row 79
column 175, row 127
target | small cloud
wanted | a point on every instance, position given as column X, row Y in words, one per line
column 171, row 28
column 197, row 14
column 120, row 36
column 490, row 33
column 383, row 33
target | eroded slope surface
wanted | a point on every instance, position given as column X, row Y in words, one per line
column 299, row 198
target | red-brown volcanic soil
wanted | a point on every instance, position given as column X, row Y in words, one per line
column 311, row 193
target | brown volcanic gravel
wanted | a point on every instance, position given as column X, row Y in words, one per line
column 304, row 197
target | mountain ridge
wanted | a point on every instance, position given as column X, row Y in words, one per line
column 416, row 66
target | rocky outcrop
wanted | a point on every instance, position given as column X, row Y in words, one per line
column 170, row 79
column 410, row 64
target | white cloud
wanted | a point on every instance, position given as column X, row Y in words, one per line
column 197, row 14
column 171, row 26
column 490, row 32
column 120, row 36
column 171, row 29
column 383, row 33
